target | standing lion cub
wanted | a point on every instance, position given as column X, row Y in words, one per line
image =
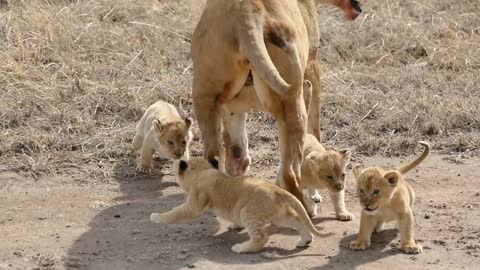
column 245, row 201
column 325, row 169
column 161, row 129
column 386, row 196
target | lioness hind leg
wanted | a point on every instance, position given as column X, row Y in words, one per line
column 237, row 159
column 312, row 73
column 207, row 113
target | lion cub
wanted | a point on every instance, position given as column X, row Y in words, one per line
column 386, row 196
column 325, row 169
column 161, row 129
column 245, row 201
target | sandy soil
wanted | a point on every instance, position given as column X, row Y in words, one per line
column 71, row 221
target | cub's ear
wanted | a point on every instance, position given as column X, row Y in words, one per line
column 182, row 166
column 188, row 122
column 158, row 125
column 357, row 170
column 392, row 177
column 214, row 163
column 346, row 154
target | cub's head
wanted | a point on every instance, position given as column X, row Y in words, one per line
column 172, row 137
column 329, row 168
column 189, row 170
column 375, row 187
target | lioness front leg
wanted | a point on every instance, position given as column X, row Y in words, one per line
column 338, row 201
column 367, row 225
column 407, row 240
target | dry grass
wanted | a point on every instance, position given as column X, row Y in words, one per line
column 76, row 75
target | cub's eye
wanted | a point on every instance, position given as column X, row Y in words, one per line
column 170, row 142
column 330, row 178
column 361, row 191
column 184, row 142
column 376, row 191
column 343, row 175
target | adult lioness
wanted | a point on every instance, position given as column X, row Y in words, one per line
column 275, row 40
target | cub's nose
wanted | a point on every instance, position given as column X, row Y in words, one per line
column 339, row 186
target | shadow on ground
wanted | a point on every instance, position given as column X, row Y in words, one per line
column 122, row 236
column 351, row 259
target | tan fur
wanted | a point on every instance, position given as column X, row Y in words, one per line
column 161, row 130
column 245, row 201
column 386, row 196
column 277, row 42
column 325, row 169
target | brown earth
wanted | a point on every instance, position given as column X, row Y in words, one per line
column 73, row 222
column 76, row 76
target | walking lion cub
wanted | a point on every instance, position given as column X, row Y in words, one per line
column 245, row 201
column 162, row 130
column 386, row 196
column 325, row 169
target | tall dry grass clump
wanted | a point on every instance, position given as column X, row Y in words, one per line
column 76, row 75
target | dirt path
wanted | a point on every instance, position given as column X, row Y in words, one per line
column 72, row 222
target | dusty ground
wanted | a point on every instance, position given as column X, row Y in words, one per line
column 76, row 75
column 68, row 222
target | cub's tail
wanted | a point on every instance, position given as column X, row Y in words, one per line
column 412, row 164
column 304, row 219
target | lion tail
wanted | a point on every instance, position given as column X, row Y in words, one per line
column 409, row 166
column 254, row 28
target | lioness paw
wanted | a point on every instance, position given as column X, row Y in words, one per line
column 156, row 218
column 346, row 216
column 412, row 248
column 358, row 244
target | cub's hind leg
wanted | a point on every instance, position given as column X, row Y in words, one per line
column 306, row 237
column 256, row 229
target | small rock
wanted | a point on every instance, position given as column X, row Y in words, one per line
column 190, row 266
column 116, row 216
column 42, row 218
column 477, row 194
column 427, row 216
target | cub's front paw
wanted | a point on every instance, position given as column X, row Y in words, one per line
column 238, row 248
column 317, row 198
column 144, row 168
column 345, row 216
column 157, row 218
column 412, row 248
column 359, row 244
column 234, row 226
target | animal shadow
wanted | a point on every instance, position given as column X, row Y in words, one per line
column 351, row 259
